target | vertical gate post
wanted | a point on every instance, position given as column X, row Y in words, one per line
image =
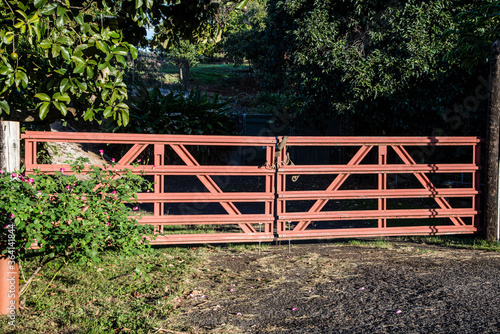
column 382, row 184
column 491, row 215
column 9, row 269
column 159, row 179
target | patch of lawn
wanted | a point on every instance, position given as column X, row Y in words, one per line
column 120, row 294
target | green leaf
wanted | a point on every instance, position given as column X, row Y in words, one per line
column 138, row 4
column 78, row 59
column 90, row 72
column 65, row 53
column 39, row 3
column 23, row 14
column 81, row 85
column 102, row 46
column 65, row 84
column 108, row 112
column 102, row 66
column 48, row 9
column 125, row 117
column 61, row 107
column 120, row 50
column 24, row 79
column 4, row 70
column 61, row 97
column 34, row 18
column 78, row 51
column 60, row 21
column 4, row 105
column 134, row 52
column 44, row 109
column 121, row 60
column 64, row 40
column 45, row 44
column 56, row 50
column 80, row 68
column 42, row 96
column 19, row 24
column 79, row 19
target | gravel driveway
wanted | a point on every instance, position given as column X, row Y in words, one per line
column 396, row 287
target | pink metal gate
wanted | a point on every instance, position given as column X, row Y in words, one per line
column 326, row 206
column 244, row 227
column 389, row 157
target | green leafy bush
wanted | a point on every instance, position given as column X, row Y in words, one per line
column 71, row 217
column 176, row 113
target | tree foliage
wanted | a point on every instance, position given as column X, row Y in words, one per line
column 60, row 56
column 389, row 65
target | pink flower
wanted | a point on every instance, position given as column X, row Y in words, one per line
column 107, row 223
column 139, row 160
column 41, row 213
column 62, row 170
column 1, row 171
column 113, row 160
column 231, row 290
column 68, row 187
column 399, row 312
column 12, row 215
column 101, row 151
column 6, row 226
column 251, row 287
column 233, row 284
column 362, row 288
column 238, row 313
column 105, row 212
column 294, row 309
column 14, row 175
column 136, row 208
column 114, row 192
column 31, row 180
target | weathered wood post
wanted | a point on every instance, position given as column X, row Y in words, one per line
column 9, row 269
column 493, row 137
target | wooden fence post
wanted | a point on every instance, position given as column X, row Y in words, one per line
column 9, row 269
column 492, row 177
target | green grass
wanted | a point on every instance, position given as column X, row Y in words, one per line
column 452, row 241
column 127, row 294
column 467, row 242
column 206, row 74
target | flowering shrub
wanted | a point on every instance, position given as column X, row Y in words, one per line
column 70, row 217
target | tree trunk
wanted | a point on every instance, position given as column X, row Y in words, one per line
column 184, row 76
column 491, row 214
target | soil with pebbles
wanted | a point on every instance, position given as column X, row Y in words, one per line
column 339, row 288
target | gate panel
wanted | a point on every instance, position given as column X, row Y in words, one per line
column 422, row 208
column 228, row 224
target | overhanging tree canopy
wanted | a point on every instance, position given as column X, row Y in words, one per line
column 58, row 56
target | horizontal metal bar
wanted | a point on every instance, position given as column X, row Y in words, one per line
column 374, row 169
column 375, row 193
column 407, row 141
column 165, row 170
column 211, row 238
column 377, row 232
column 376, row 214
column 206, row 219
column 133, row 138
column 206, row 197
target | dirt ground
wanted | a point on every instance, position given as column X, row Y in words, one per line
column 397, row 287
